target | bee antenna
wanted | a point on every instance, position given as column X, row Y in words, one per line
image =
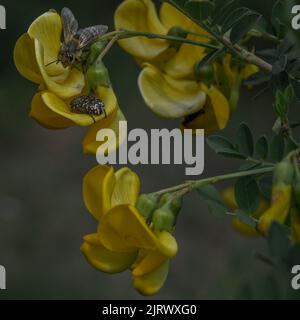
column 48, row 64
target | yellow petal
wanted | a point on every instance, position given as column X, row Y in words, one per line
column 171, row 17
column 295, row 225
column 153, row 259
column 105, row 260
column 47, row 30
column 66, row 85
column 25, row 61
column 127, row 187
column 281, row 201
column 91, row 145
column 60, row 107
column 151, row 283
column 215, row 114
column 124, row 229
column 182, row 65
column 97, row 189
column 45, row 116
column 141, row 15
column 249, row 70
column 167, row 97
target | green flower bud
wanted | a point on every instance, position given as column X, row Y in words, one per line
column 284, row 173
column 204, row 73
column 163, row 219
column 146, row 205
column 95, row 50
column 234, row 98
column 179, row 33
column 97, row 75
column 168, row 199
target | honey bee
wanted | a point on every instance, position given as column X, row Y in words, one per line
column 75, row 42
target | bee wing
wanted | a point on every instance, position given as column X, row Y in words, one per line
column 90, row 34
column 70, row 24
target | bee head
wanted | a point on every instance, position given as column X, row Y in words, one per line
column 65, row 56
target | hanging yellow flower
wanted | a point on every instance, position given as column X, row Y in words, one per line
column 229, row 198
column 281, row 196
column 58, row 86
column 124, row 240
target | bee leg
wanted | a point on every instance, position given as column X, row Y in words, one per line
column 93, row 118
column 105, row 114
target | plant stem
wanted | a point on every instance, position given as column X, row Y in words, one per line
column 193, row 184
column 125, row 34
column 242, row 52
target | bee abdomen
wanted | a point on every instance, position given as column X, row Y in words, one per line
column 87, row 105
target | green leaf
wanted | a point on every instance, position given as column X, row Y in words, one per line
column 233, row 18
column 278, row 242
column 244, row 26
column 245, row 140
column 258, row 78
column 181, row 3
column 223, row 9
column 246, row 219
column 214, row 201
column 289, row 94
column 247, row 194
column 277, row 148
column 248, row 165
column 200, row 10
column 223, row 146
column 265, row 186
column 262, row 148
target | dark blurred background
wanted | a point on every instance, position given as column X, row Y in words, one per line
column 42, row 216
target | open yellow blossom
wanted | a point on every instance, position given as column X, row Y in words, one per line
column 229, row 198
column 168, row 81
column 146, row 19
column 123, row 239
column 58, row 86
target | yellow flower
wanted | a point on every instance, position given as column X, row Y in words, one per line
column 213, row 116
column 141, row 15
column 123, row 239
column 279, row 209
column 229, row 198
column 33, row 54
column 167, row 81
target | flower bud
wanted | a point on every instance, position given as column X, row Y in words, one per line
column 146, row 205
column 97, row 75
column 164, row 218
column 284, row 173
column 204, row 73
column 95, row 50
column 179, row 33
